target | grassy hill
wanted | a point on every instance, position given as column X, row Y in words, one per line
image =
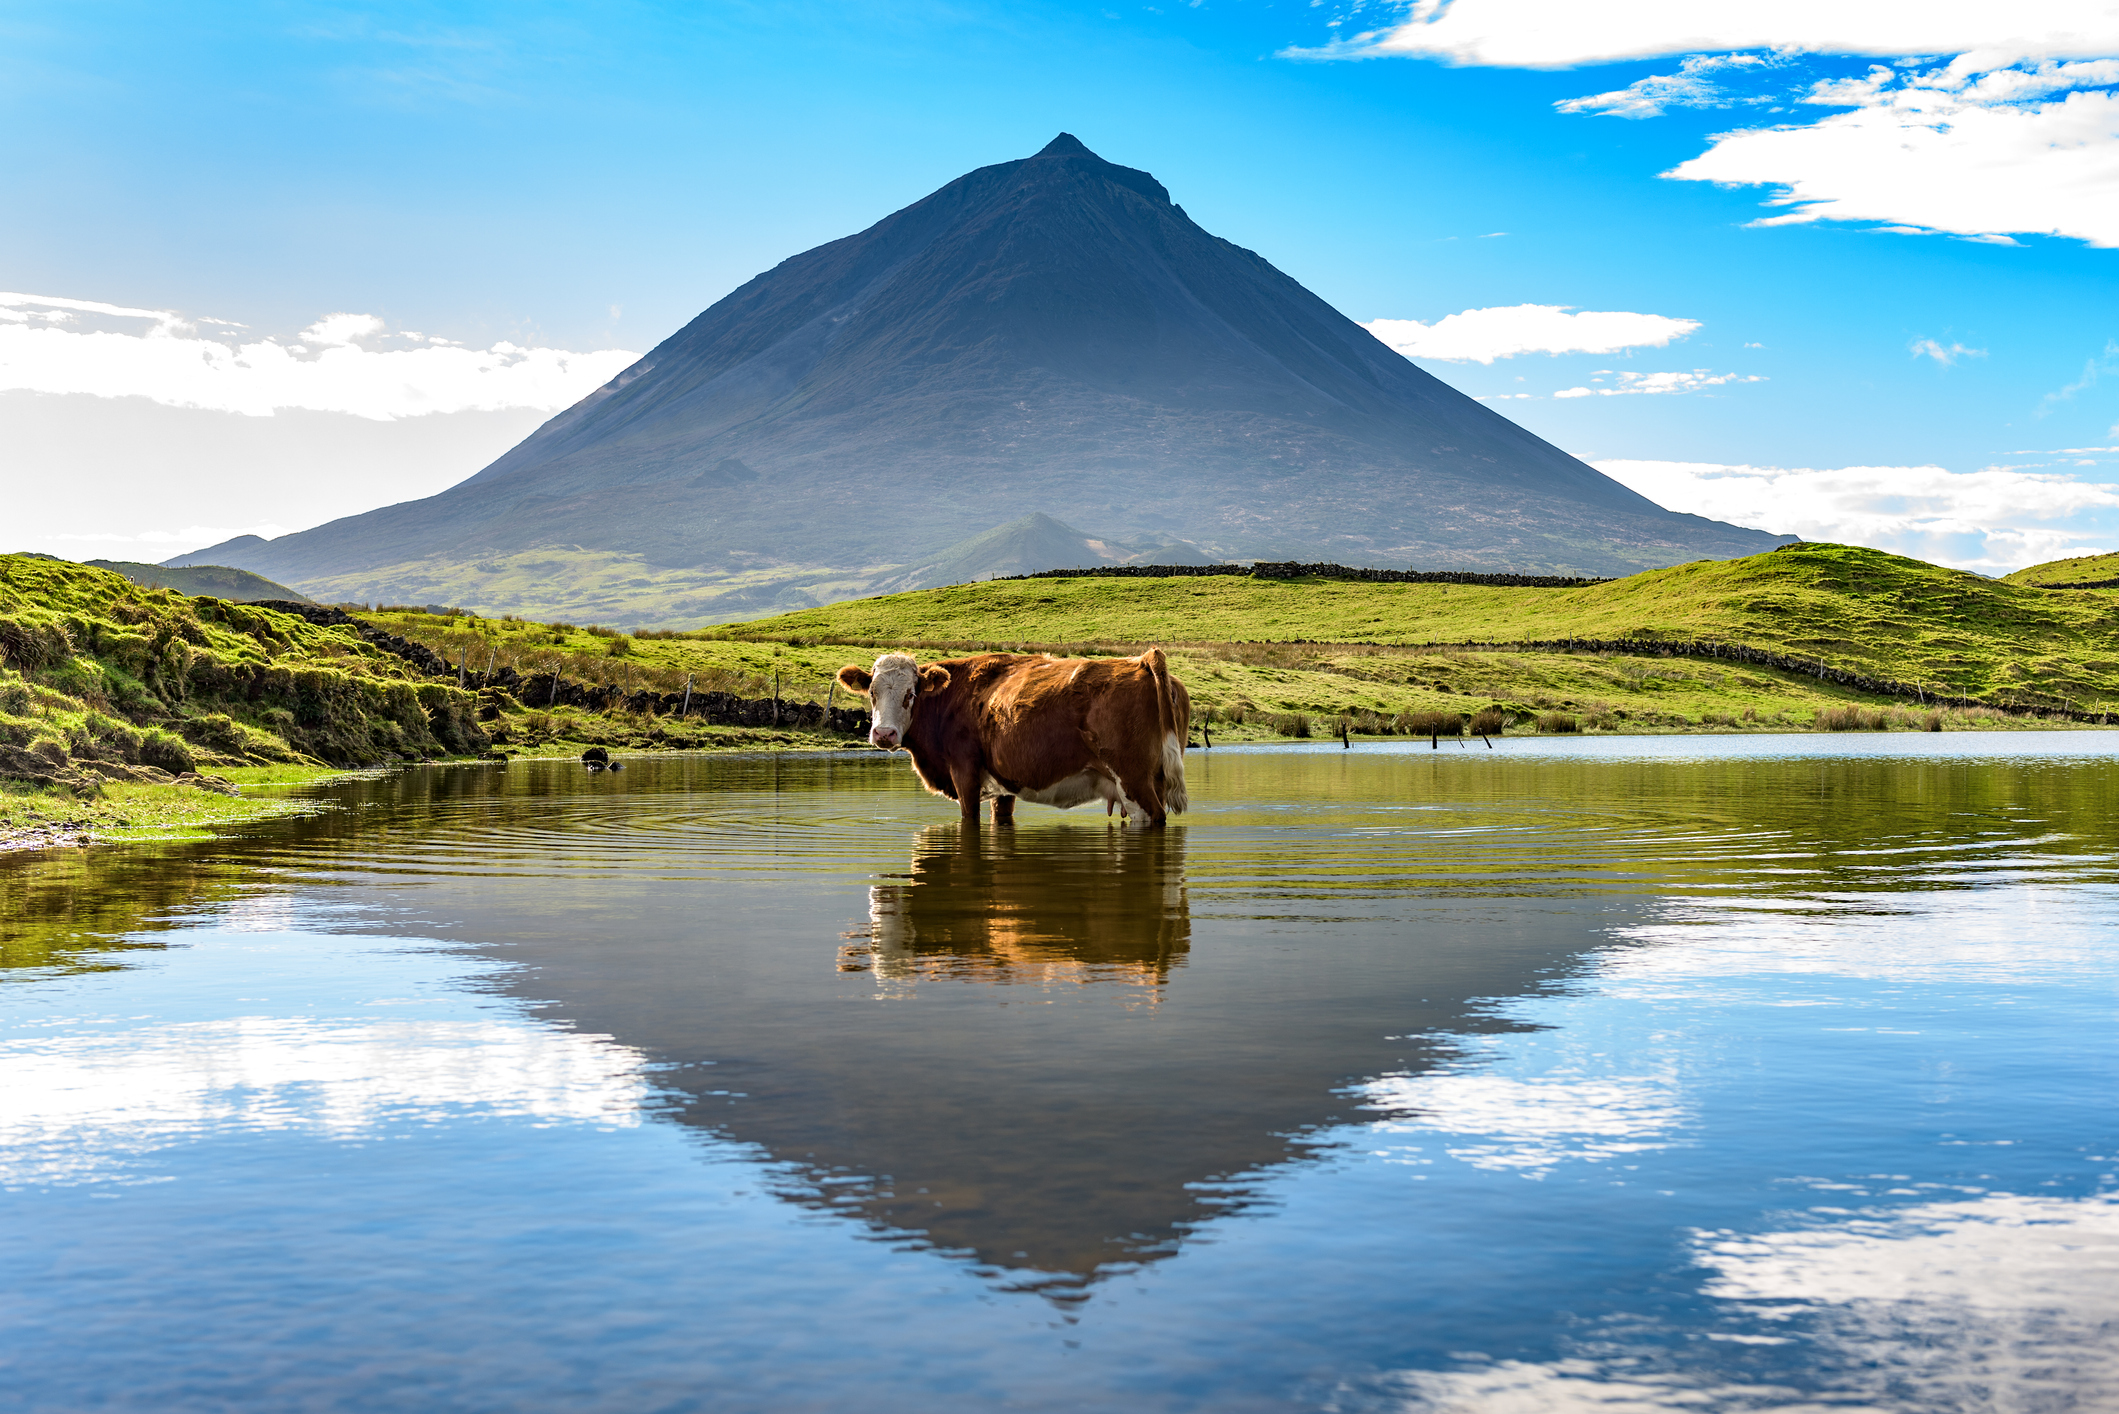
column 1844, row 607
column 1652, row 652
column 2098, row 570
column 105, row 683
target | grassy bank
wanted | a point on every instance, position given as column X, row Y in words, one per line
column 124, row 707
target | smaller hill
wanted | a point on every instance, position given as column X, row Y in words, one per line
column 1033, row 543
column 2082, row 572
column 220, row 581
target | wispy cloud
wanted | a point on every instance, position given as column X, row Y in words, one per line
column 50, row 344
column 1691, row 381
column 2092, row 370
column 1483, row 335
column 1944, row 354
column 1689, row 87
column 1993, row 521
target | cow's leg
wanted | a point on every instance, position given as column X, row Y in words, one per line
column 966, row 776
column 1140, row 788
column 1004, row 810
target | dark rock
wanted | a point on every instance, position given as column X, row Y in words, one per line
column 596, row 754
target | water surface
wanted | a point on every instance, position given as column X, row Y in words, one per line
column 1729, row 1073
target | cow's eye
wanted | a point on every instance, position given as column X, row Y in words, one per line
column 908, row 697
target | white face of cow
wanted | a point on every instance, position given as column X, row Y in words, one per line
column 892, row 689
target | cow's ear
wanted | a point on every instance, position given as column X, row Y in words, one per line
column 934, row 678
column 854, row 678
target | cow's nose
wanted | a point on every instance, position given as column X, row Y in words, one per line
column 883, row 736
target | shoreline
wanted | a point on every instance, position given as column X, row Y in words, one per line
column 145, row 814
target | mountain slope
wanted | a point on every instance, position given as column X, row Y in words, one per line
column 1051, row 334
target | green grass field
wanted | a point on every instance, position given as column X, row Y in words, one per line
column 2083, row 569
column 1255, row 653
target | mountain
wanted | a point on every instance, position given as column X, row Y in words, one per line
column 1053, row 335
column 220, row 581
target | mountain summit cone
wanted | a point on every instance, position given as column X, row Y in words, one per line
column 1051, row 335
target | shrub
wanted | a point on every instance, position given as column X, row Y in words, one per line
column 1850, row 718
column 29, row 644
column 1296, row 724
column 1488, row 721
column 1560, row 722
column 159, row 748
column 1932, row 722
column 1431, row 724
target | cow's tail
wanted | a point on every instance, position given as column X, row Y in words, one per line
column 1174, row 727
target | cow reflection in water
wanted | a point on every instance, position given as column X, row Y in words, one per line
column 1108, row 907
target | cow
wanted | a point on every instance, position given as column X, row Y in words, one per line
column 1060, row 732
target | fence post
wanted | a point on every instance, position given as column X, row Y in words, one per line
column 686, row 709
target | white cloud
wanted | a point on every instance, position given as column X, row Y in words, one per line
column 1689, row 87
column 1563, row 34
column 1483, row 335
column 1991, row 521
column 345, row 329
column 328, row 371
column 1672, row 382
column 1944, row 354
column 1993, row 121
column 1944, row 151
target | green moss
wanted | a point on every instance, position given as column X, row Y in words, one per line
column 119, row 674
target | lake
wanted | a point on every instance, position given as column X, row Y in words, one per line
column 1614, row 1074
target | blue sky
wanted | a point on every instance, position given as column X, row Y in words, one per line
column 581, row 180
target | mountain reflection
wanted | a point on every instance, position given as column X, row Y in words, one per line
column 1058, row 1049
column 1106, row 907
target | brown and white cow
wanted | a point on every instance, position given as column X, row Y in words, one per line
column 1052, row 731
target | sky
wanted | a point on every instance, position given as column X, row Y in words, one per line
column 1848, row 271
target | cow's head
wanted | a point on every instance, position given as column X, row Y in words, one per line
column 893, row 689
